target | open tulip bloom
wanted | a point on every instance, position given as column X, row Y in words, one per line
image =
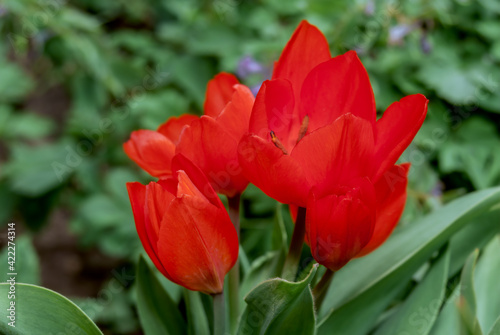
column 310, row 140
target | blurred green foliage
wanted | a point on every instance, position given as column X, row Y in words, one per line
column 77, row 77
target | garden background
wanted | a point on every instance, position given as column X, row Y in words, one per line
column 76, row 77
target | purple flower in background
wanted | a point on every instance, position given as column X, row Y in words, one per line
column 398, row 32
column 425, row 44
column 3, row 11
column 437, row 191
column 255, row 89
column 247, row 66
column 370, row 8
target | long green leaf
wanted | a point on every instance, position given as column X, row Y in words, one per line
column 486, row 284
column 495, row 330
column 448, row 321
column 419, row 312
column 476, row 234
column 198, row 318
column 467, row 302
column 157, row 311
column 278, row 307
column 459, row 313
column 41, row 311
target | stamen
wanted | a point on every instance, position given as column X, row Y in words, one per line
column 303, row 128
column 277, row 143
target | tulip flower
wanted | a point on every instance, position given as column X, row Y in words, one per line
column 211, row 141
column 314, row 142
column 153, row 150
column 350, row 221
column 315, row 122
column 185, row 229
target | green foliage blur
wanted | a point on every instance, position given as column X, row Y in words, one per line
column 76, row 77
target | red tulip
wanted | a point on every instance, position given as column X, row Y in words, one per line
column 314, row 142
column 352, row 221
column 185, row 228
column 153, row 150
column 314, row 123
column 211, row 141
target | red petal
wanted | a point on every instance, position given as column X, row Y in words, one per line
column 334, row 88
column 396, row 129
column 186, row 187
column 198, row 244
column 219, row 93
column 137, row 195
column 339, row 225
column 151, row 151
column 197, row 177
column 337, row 153
column 274, row 111
column 214, row 151
column 391, row 198
column 173, row 127
column 278, row 175
column 307, row 48
column 157, row 201
column 235, row 117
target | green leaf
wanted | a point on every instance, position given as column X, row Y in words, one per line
column 42, row 311
column 419, row 311
column 467, row 302
column 23, row 125
column 450, row 81
column 263, row 268
column 198, row 322
column 14, row 84
column 157, row 312
column 472, row 152
column 115, row 182
column 102, row 211
column 72, row 18
column 36, row 170
column 387, row 270
column 486, row 283
column 448, row 321
column 192, row 74
column 26, row 261
column 458, row 315
column 156, row 107
column 495, row 330
column 475, row 235
column 366, row 307
column 278, row 306
column 279, row 236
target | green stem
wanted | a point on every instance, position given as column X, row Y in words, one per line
column 219, row 314
column 234, row 211
column 319, row 292
column 234, row 275
column 293, row 258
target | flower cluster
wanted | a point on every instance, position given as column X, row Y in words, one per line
column 310, row 139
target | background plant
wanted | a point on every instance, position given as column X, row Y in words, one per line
column 77, row 77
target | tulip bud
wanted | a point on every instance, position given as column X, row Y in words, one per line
column 185, row 229
column 341, row 223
